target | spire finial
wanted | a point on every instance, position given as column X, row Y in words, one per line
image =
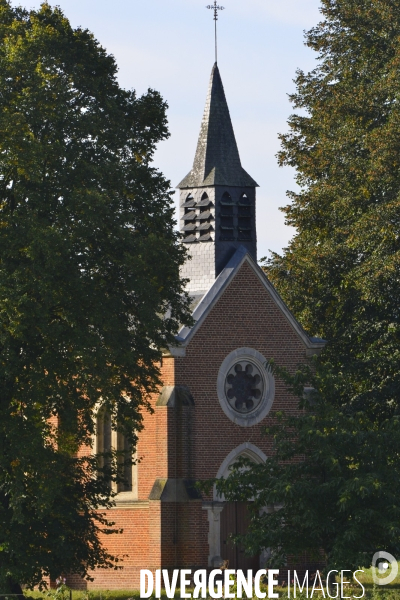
column 215, row 8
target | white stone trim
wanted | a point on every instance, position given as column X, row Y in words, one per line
column 257, row 415
column 130, row 502
column 247, row 450
column 214, row 510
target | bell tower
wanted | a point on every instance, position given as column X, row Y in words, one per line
column 217, row 197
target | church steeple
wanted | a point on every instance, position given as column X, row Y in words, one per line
column 217, row 160
column 217, row 197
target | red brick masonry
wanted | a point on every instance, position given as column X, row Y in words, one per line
column 191, row 442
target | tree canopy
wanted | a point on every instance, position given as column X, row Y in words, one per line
column 330, row 490
column 90, row 290
column 335, row 469
column 340, row 274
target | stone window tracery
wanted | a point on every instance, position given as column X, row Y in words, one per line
column 245, row 386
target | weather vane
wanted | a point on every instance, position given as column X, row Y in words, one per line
column 215, row 8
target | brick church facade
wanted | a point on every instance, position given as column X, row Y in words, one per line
column 218, row 390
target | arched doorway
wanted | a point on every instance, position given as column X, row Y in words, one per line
column 235, row 518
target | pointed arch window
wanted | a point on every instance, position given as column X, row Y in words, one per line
column 107, row 441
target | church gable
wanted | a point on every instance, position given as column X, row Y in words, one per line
column 241, row 299
column 241, row 324
column 247, row 312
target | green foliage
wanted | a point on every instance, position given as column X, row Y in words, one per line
column 332, row 483
column 62, row 592
column 367, row 579
column 340, row 274
column 89, row 285
column 335, row 467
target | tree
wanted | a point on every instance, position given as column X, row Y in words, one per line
column 336, row 468
column 89, row 285
column 331, row 488
column 340, row 274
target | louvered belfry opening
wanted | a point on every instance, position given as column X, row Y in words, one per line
column 197, row 219
column 227, row 216
column 205, row 219
column 189, row 219
column 217, row 197
column 245, row 221
column 236, row 218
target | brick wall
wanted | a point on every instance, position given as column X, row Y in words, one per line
column 193, row 443
column 245, row 316
column 139, row 546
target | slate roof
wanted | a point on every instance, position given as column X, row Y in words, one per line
column 217, row 160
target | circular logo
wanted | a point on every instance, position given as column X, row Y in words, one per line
column 388, row 567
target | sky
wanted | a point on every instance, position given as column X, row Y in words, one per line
column 168, row 45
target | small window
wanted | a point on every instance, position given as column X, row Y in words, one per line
column 244, row 219
column 244, row 233
column 190, row 239
column 189, row 227
column 244, row 211
column 204, row 226
column 206, row 237
column 227, row 222
column 108, row 440
column 227, row 232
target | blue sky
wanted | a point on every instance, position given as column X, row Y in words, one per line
column 168, row 45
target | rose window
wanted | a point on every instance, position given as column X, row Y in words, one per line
column 244, row 387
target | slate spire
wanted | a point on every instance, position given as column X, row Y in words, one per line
column 217, row 160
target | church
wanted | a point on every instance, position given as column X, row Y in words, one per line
column 217, row 388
